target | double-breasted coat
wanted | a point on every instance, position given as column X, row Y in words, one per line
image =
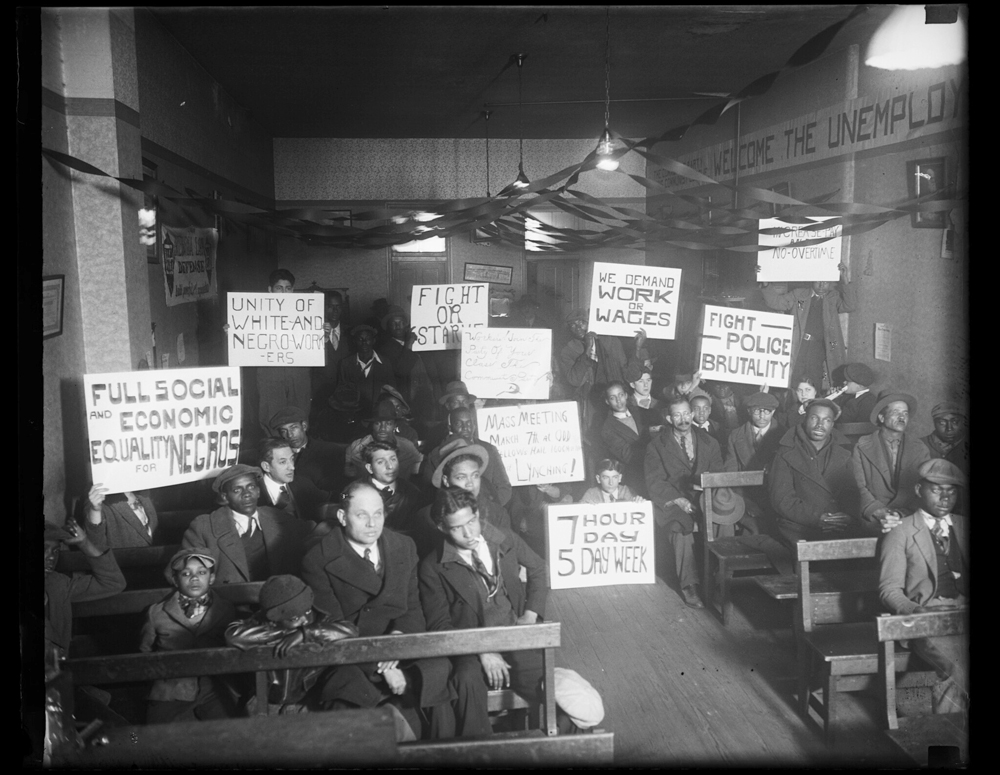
column 670, row 475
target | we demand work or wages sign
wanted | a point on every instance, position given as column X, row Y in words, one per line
column 154, row 428
column 276, row 329
column 595, row 545
column 439, row 312
column 789, row 260
column 746, row 346
column 507, row 362
column 539, row 443
column 625, row 298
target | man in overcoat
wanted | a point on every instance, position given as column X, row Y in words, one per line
column 752, row 447
column 625, row 434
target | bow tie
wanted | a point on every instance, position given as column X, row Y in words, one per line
column 192, row 606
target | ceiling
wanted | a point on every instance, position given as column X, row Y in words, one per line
column 406, row 71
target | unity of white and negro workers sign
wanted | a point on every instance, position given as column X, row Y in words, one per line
column 275, row 329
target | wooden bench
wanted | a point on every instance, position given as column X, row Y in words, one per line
column 916, row 735
column 504, row 750
column 786, row 586
column 725, row 555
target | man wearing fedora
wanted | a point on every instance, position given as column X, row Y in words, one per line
column 752, row 447
column 455, row 396
column 857, row 400
column 462, row 422
column 396, row 349
column 675, row 460
column 365, row 368
column 464, row 465
column 924, row 565
column 885, row 463
column 319, row 461
column 382, row 424
column 252, row 542
column 810, row 484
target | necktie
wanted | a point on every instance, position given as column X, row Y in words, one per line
column 334, row 338
column 140, row 512
column 368, row 558
column 249, row 531
column 893, row 452
column 284, row 497
column 688, row 446
column 940, row 533
column 477, row 563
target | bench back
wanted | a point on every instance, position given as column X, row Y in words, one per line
column 849, row 595
column 712, row 481
column 134, row 601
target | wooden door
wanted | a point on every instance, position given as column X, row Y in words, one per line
column 405, row 274
column 556, row 285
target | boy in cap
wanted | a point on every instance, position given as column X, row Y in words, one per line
column 856, row 400
column 190, row 617
column 924, row 565
column 287, row 620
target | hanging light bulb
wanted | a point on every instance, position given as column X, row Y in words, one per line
column 521, row 181
column 606, row 146
column 605, row 149
column 906, row 41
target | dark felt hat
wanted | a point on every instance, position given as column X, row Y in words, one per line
column 395, row 311
column 947, row 407
column 180, row 559
column 761, row 401
column 887, row 397
column 634, row 371
column 234, row 472
column 285, row 597
column 823, row 402
column 363, row 327
column 455, row 389
column 56, row 533
column 858, row 372
column 286, row 415
column 389, row 390
column 728, row 506
column 941, row 471
column 346, row 397
column 579, row 313
column 384, row 410
column 453, row 449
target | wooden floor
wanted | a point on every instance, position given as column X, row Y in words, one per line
column 679, row 689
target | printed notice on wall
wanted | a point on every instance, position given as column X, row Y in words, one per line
column 600, row 544
column 538, row 443
column 883, row 342
column 438, row 313
column 746, row 346
column 188, row 263
column 799, row 252
column 507, row 362
column 276, row 329
column 154, row 428
column 625, row 298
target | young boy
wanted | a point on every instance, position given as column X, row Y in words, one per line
column 191, row 617
column 609, row 487
column 286, row 620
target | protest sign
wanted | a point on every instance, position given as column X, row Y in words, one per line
column 625, row 298
column 188, row 263
column 438, row 313
column 788, row 261
column 747, row 346
column 154, row 428
column 276, row 329
column 507, row 362
column 538, row 443
column 600, row 544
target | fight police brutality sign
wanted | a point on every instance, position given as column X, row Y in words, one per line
column 600, row 544
column 625, row 298
column 276, row 329
column 746, row 346
column 154, row 428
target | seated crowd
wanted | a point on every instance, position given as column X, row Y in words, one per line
column 378, row 509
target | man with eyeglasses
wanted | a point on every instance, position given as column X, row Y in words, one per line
column 675, row 460
column 752, row 447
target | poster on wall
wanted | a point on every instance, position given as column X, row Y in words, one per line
column 625, row 298
column 788, row 260
column 538, row 443
column 188, row 263
column 507, row 362
column 155, row 428
column 746, row 346
column 275, row 329
column 438, row 313
column 600, row 544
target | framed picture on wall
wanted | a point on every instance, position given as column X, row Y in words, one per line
column 486, row 273
column 924, row 178
column 52, row 305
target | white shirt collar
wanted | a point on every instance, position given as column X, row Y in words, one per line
column 643, row 401
column 379, row 486
column 622, row 415
column 243, row 521
column 374, row 359
column 360, row 549
column 931, row 521
column 758, row 432
column 273, row 487
column 483, row 550
column 861, row 392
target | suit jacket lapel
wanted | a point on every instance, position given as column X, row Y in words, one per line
column 341, row 567
column 806, row 466
column 123, row 510
column 881, row 461
column 229, row 541
column 459, row 577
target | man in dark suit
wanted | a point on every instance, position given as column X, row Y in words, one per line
column 365, row 368
column 251, row 542
column 400, row 498
column 752, row 447
column 120, row 521
column 924, row 565
column 319, row 461
column 701, row 412
column 858, row 400
column 282, row 489
column 625, row 434
column 885, row 463
column 675, row 460
column 409, row 372
column 337, row 346
column 368, row 575
column 472, row 580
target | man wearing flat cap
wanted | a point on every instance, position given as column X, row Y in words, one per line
column 857, row 400
column 924, row 565
column 365, row 368
column 812, row 490
column 252, row 542
column 885, row 463
column 409, row 371
column 752, row 447
column 319, row 461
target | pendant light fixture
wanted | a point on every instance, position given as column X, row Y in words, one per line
column 521, row 181
column 606, row 146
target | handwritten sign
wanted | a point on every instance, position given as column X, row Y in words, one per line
column 597, row 545
column 507, row 362
column 625, row 297
column 538, row 443
column 790, row 261
column 276, row 329
column 438, row 313
column 154, row 428
column 188, row 263
column 747, row 346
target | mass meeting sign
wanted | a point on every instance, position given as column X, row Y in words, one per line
column 438, row 313
column 746, row 346
column 507, row 362
column 625, row 298
column 789, row 260
column 154, row 428
column 538, row 443
column 275, row 329
column 600, row 544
